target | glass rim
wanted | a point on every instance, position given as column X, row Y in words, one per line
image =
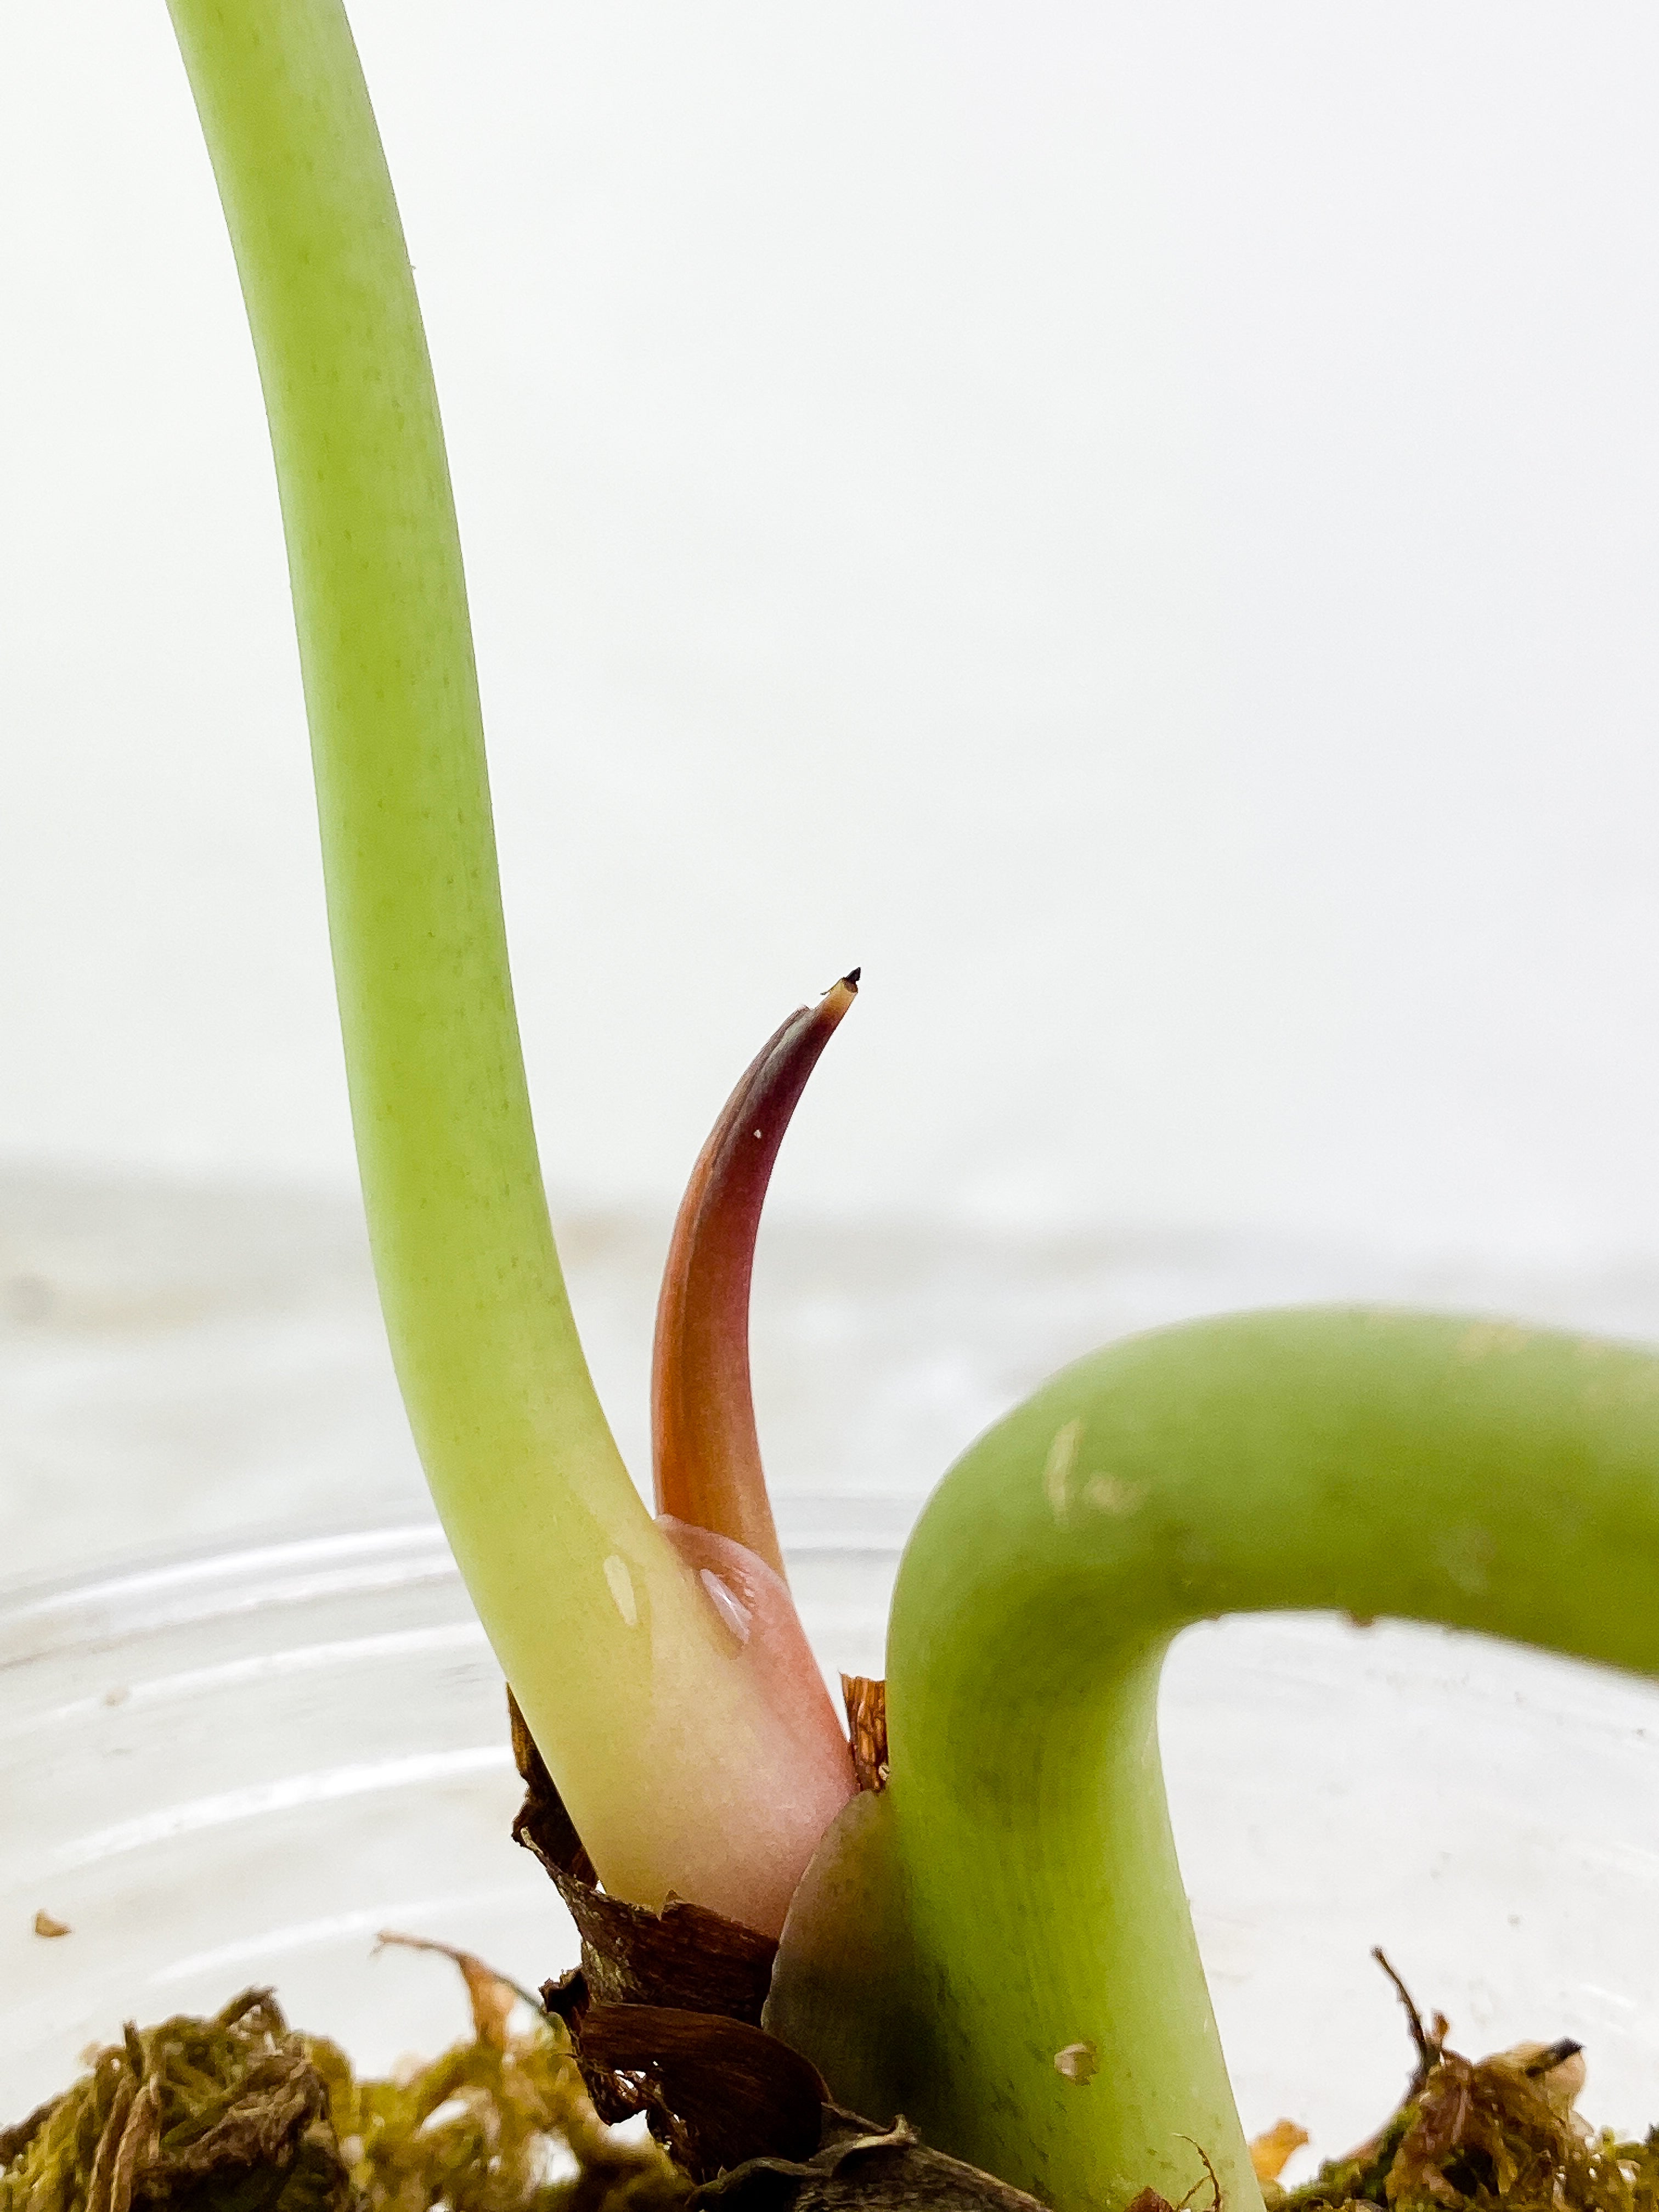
column 113, row 1599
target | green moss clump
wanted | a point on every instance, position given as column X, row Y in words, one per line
column 1493, row 2135
column 218, row 2115
column 241, row 2113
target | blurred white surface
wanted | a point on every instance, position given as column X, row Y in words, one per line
column 1136, row 522
column 180, row 1365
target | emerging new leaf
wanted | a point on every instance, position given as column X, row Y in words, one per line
column 705, row 1451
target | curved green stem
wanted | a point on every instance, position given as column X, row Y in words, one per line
column 1019, row 1868
column 645, row 1710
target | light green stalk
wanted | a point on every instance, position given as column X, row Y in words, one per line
column 638, row 1698
column 1016, row 1888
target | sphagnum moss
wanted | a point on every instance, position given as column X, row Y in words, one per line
column 242, row 2113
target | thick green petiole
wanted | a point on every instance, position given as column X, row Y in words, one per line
column 1015, row 1891
column 679, row 1769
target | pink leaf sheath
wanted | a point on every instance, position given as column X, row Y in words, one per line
column 808, row 1760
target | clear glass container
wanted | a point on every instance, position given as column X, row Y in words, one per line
column 239, row 1767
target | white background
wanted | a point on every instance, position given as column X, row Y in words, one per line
column 1137, row 523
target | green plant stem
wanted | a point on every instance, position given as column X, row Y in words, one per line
column 1019, row 1867
column 643, row 1707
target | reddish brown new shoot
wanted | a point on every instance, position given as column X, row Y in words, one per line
column 704, row 1447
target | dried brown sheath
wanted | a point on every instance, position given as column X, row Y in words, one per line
column 704, row 1449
